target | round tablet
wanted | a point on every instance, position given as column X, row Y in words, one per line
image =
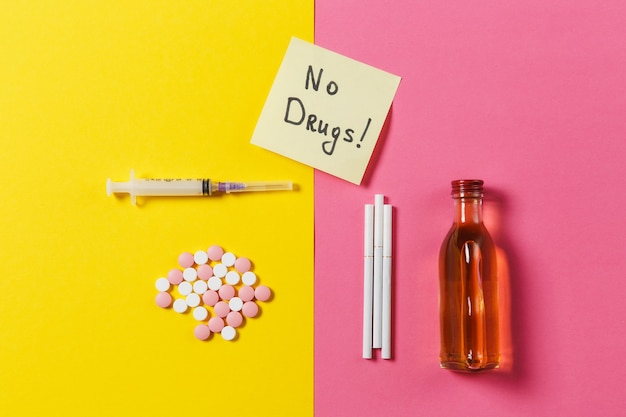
column 228, row 333
column 246, row 293
column 180, row 305
column 200, row 257
column 205, row 272
column 234, row 319
column 226, row 292
column 175, row 276
column 202, row 332
column 228, row 259
column 210, row 298
column 242, row 264
column 163, row 299
column 216, row 324
column 235, row 304
column 220, row 270
column 214, row 283
column 184, row 288
column 250, row 309
column 221, row 309
column 185, row 259
column 200, row 287
column 162, row 284
column 215, row 253
column 232, row 277
column 262, row 293
column 190, row 274
column 193, row 300
column 200, row 313
column 249, row 278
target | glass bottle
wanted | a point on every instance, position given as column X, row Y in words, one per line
column 468, row 286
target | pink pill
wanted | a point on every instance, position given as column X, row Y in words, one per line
column 163, row 299
column 246, row 293
column 234, row 319
column 175, row 276
column 210, row 298
column 242, row 265
column 202, row 332
column 216, row 324
column 185, row 260
column 205, row 272
column 250, row 309
column 215, row 253
column 222, row 309
column 226, row 292
column 262, row 293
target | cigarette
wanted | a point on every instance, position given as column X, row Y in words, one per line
column 368, row 280
column 379, row 201
column 386, row 290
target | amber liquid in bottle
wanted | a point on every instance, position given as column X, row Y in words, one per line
column 468, row 286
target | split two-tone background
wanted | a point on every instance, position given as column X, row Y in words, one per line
column 529, row 96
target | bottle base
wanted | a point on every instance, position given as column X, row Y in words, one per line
column 467, row 367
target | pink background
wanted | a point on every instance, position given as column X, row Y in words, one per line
column 531, row 97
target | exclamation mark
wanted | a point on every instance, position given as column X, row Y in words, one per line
column 369, row 120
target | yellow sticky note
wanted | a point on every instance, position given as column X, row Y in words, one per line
column 325, row 110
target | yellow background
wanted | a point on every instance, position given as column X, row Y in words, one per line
column 88, row 90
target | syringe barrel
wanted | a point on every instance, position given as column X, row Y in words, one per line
column 167, row 187
column 159, row 187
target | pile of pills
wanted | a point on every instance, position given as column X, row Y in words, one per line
column 218, row 288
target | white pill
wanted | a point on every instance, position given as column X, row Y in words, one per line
column 184, row 288
column 190, row 274
column 200, row 287
column 214, row 283
column 200, row 257
column 193, row 300
column 162, row 284
column 228, row 333
column 235, row 304
column 232, row 277
column 200, row 313
column 180, row 305
column 249, row 278
column 229, row 259
column 220, row 270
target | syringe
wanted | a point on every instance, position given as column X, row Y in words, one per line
column 188, row 187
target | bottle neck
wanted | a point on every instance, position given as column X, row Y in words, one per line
column 468, row 210
column 468, row 201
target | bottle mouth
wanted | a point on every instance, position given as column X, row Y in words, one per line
column 467, row 188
